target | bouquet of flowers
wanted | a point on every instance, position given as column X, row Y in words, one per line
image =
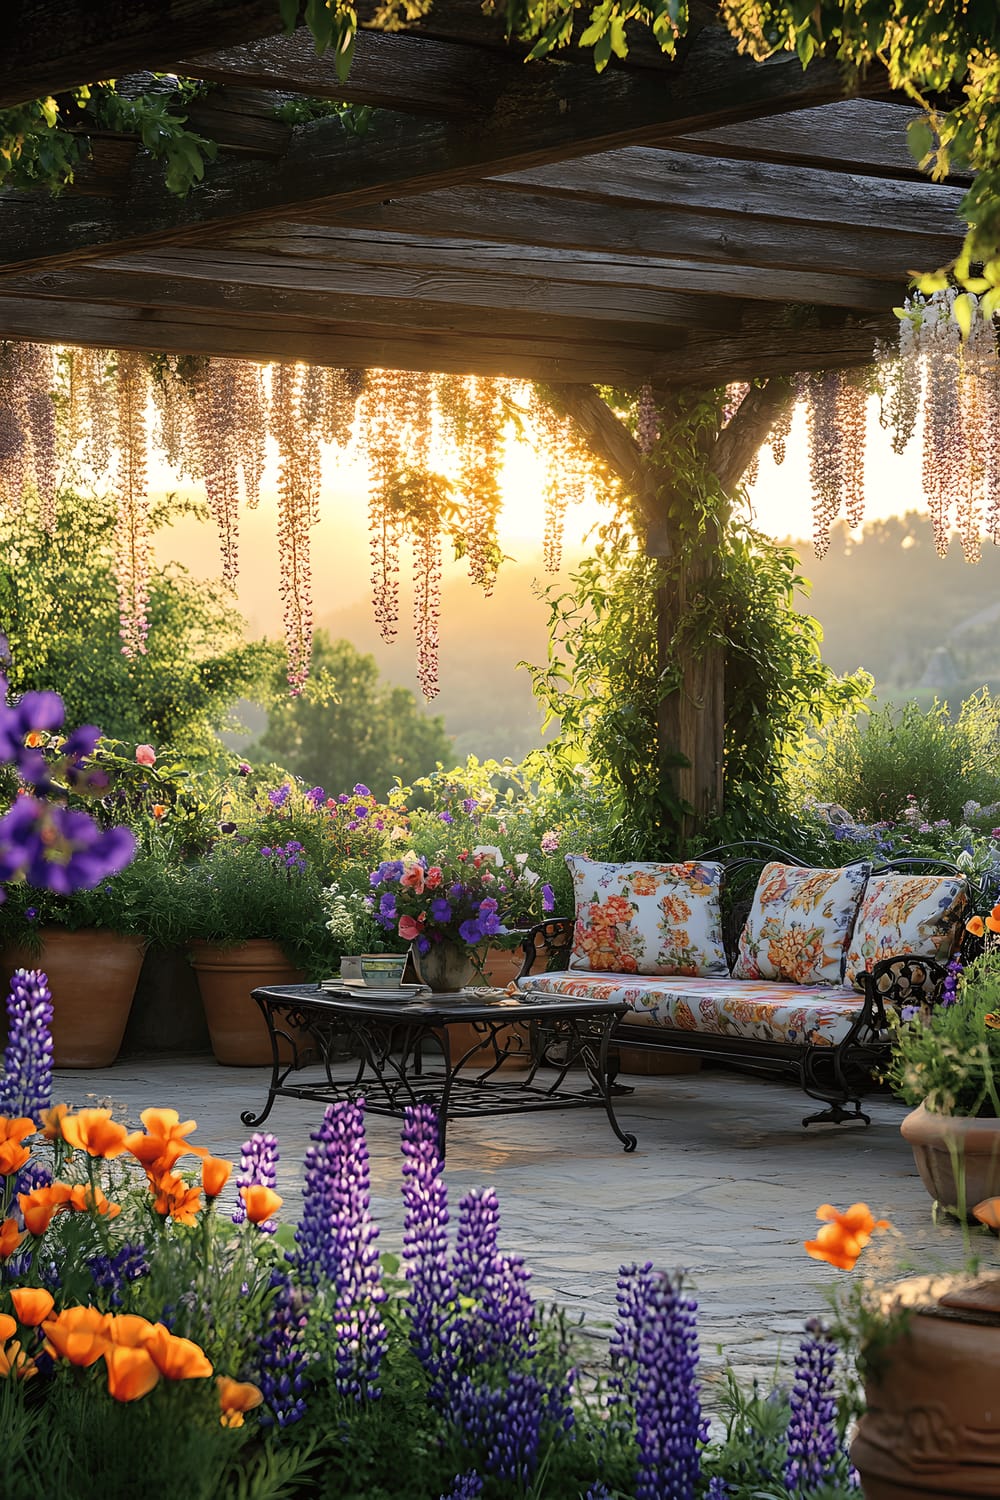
column 456, row 901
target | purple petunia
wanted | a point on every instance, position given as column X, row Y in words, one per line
column 59, row 849
column 441, row 909
column 316, row 795
column 446, row 817
column 470, row 931
column 360, row 790
column 280, row 795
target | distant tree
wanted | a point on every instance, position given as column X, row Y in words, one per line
column 59, row 612
column 348, row 726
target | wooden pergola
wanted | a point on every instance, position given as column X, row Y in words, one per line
column 665, row 223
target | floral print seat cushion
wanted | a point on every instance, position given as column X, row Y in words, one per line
column 919, row 914
column 759, row 1010
column 647, row 918
column 799, row 924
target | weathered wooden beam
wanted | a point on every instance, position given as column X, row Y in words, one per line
column 743, row 436
column 51, row 45
column 400, row 72
column 339, row 290
column 536, row 356
column 538, row 114
column 610, row 439
column 358, row 293
column 848, row 135
column 773, row 345
column 663, row 179
column 835, row 265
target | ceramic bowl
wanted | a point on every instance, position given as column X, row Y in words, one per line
column 383, row 970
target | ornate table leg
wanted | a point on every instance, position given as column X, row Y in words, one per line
column 602, row 1078
column 248, row 1117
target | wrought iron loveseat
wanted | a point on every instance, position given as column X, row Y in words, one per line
column 834, row 1041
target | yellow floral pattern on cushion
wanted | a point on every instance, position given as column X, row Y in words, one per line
column 761, row 1010
column 647, row 918
column 920, row 914
column 799, row 924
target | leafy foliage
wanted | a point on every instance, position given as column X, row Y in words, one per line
column 59, row 610
column 949, row 1058
column 874, row 765
column 347, row 726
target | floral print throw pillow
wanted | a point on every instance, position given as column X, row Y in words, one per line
column 647, row 918
column 799, row 924
column 907, row 914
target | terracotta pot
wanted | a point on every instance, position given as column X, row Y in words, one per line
column 939, row 1140
column 92, row 975
column 225, row 977
column 932, row 1419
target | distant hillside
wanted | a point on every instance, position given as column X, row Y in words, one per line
column 486, row 701
column 923, row 625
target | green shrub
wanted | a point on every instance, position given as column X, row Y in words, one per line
column 873, row 767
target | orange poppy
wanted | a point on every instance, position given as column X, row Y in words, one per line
column 39, row 1205
column 129, row 1330
column 174, row 1198
column 177, row 1358
column 32, row 1304
column 34, row 738
column 235, row 1398
column 993, row 920
column 159, row 810
column 260, row 1202
column 976, row 926
column 86, row 1199
column 131, row 1372
column 10, row 1238
column 14, row 1361
column 842, row 1239
column 214, row 1175
column 52, row 1121
column 12, row 1157
column 94, row 1131
column 988, row 1212
column 156, row 1155
column 78, row 1334
column 8, row 1327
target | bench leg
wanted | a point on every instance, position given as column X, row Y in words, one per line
column 842, row 1106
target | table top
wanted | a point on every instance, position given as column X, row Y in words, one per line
column 438, row 1010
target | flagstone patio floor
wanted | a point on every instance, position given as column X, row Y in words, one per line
column 725, row 1183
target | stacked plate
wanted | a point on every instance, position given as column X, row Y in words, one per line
column 356, row 989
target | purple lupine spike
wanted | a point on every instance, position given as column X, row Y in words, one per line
column 425, row 1245
column 114, row 1273
column 598, row 1491
column 258, row 1166
column 281, row 1373
column 814, row 1448
column 467, row 1486
column 656, row 1337
column 336, row 1238
column 718, row 1489
column 26, row 1086
column 476, row 1241
column 949, row 989
column 502, row 1316
column 506, row 1425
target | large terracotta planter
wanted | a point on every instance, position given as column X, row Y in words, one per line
column 932, row 1419
column 938, row 1141
column 92, row 975
column 226, row 977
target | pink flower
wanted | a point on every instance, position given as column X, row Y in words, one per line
column 145, row 755
column 413, row 877
column 549, row 842
column 433, row 877
column 410, row 929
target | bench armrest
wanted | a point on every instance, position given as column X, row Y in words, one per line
column 553, row 937
column 907, row 979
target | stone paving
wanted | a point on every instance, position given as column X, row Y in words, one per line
column 725, row 1182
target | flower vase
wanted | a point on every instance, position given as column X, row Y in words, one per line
column 446, row 967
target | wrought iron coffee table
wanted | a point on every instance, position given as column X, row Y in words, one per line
column 404, row 1054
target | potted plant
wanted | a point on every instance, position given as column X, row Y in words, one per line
column 355, row 930
column 946, row 1063
column 253, row 916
